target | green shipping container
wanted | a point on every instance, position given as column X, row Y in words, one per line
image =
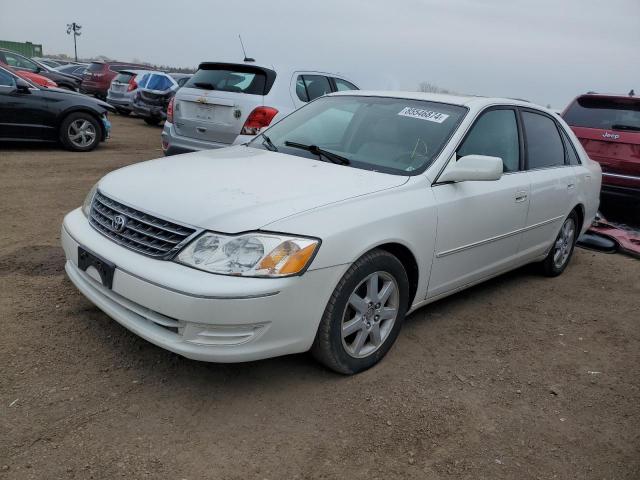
column 27, row 49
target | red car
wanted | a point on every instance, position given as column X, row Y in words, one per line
column 31, row 77
column 609, row 128
column 96, row 79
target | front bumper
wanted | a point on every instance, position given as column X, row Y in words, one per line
column 196, row 314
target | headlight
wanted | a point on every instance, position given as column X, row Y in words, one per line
column 88, row 200
column 249, row 255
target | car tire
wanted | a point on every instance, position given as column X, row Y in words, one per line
column 80, row 132
column 562, row 248
column 123, row 112
column 153, row 121
column 364, row 314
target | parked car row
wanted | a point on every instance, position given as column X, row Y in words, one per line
column 34, row 114
column 23, row 64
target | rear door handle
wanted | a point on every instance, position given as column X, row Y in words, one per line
column 571, row 185
column 521, row 196
column 201, row 129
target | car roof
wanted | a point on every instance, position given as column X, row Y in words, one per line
column 462, row 100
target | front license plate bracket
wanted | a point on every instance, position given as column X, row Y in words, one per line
column 105, row 268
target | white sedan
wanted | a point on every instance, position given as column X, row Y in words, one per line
column 324, row 231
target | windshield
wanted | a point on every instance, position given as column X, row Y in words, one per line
column 239, row 80
column 391, row 135
column 604, row 113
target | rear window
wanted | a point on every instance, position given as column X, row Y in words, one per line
column 123, row 77
column 231, row 78
column 154, row 81
column 95, row 67
column 604, row 113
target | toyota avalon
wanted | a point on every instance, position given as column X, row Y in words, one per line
column 327, row 228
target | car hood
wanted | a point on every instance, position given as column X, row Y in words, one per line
column 238, row 188
column 57, row 91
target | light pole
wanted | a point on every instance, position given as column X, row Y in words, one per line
column 74, row 28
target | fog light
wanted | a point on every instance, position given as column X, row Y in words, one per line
column 222, row 335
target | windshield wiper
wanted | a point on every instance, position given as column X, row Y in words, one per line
column 619, row 126
column 268, row 143
column 206, row 85
column 320, row 152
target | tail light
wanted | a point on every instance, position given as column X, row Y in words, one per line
column 132, row 84
column 170, row 110
column 259, row 118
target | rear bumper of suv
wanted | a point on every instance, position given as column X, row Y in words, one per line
column 619, row 185
column 173, row 144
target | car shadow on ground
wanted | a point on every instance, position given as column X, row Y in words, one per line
column 147, row 361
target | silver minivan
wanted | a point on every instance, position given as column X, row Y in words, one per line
column 229, row 103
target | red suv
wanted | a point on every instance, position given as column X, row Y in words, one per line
column 96, row 79
column 609, row 128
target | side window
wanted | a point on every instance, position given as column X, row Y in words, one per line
column 18, row 62
column 572, row 155
column 495, row 134
column 344, row 85
column 544, row 146
column 310, row 87
column 182, row 81
column 6, row 80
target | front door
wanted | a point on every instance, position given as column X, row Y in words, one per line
column 21, row 114
column 480, row 222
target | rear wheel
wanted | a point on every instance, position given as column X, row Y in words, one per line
column 152, row 120
column 80, row 132
column 364, row 314
column 562, row 249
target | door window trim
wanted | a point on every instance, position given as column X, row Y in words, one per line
column 524, row 133
column 490, row 108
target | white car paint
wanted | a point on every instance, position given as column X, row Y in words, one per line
column 459, row 234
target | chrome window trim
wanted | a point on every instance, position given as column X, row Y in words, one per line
column 497, row 237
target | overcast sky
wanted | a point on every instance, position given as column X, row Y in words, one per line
column 546, row 51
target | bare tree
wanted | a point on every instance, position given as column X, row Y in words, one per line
column 427, row 87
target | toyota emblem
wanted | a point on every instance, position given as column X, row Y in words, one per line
column 118, row 223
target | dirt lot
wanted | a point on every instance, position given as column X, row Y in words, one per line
column 522, row 377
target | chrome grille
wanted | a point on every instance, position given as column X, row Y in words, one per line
column 141, row 232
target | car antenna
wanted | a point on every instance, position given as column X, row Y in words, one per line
column 246, row 59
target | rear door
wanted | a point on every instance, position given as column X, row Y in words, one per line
column 309, row 86
column 553, row 182
column 216, row 101
column 609, row 130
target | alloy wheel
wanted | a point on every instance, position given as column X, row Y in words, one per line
column 82, row 133
column 370, row 314
column 564, row 243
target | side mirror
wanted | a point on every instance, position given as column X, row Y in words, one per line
column 22, row 86
column 473, row 168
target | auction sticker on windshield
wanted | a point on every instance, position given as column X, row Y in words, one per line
column 429, row 115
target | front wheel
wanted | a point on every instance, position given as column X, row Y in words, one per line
column 80, row 132
column 562, row 249
column 364, row 314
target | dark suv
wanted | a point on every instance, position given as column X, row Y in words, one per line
column 608, row 127
column 96, row 79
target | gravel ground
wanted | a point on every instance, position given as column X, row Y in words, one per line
column 522, row 377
